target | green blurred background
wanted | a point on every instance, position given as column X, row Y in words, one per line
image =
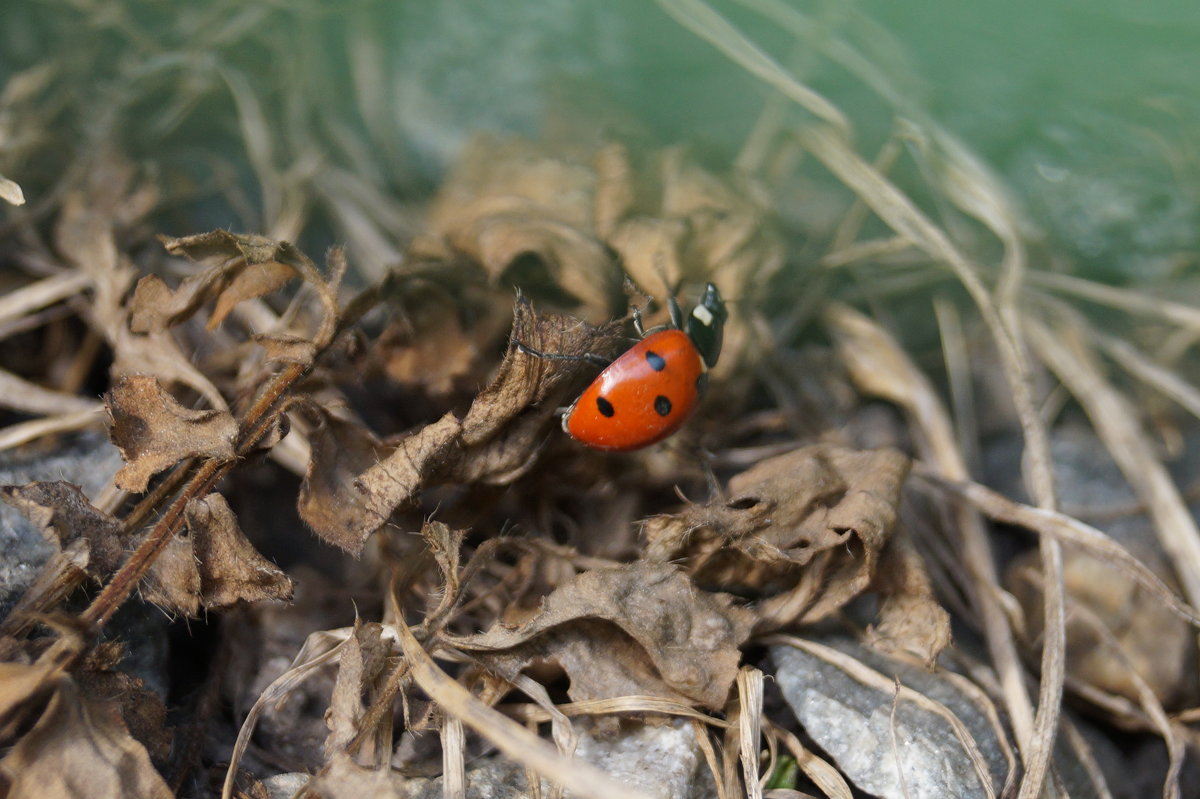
column 1088, row 110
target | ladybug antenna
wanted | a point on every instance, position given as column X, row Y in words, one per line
column 705, row 325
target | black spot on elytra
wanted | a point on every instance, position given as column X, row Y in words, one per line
column 656, row 361
column 605, row 407
column 662, row 405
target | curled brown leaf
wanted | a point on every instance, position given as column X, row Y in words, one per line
column 800, row 533
column 637, row 629
column 498, row 438
column 231, row 569
column 66, row 518
column 153, row 431
column 78, row 746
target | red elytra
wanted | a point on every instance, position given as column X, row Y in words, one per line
column 649, row 391
column 641, row 397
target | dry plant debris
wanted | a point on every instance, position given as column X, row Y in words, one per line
column 483, row 595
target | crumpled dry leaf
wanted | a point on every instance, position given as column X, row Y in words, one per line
column 637, row 629
column 430, row 348
column 360, row 666
column 231, row 569
column 86, row 234
column 154, row 432
column 801, row 533
column 287, row 349
column 89, row 544
column 79, row 747
column 214, row 566
column 667, row 220
column 342, row 778
column 909, row 618
column 141, row 709
column 66, row 518
column 494, row 443
column 242, row 267
column 173, row 581
column 509, row 199
column 691, row 225
column 1120, row 638
column 329, row 502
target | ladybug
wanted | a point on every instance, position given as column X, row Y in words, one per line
column 650, row 390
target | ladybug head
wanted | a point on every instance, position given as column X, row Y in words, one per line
column 705, row 325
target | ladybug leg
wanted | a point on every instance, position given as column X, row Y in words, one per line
column 590, row 357
column 641, row 330
column 676, row 313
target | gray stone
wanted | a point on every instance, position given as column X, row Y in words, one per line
column 853, row 723
column 88, row 461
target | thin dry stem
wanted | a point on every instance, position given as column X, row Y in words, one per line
column 509, row 737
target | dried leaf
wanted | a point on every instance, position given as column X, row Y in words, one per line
column 342, row 778
column 329, row 502
column 801, row 532
column 155, row 306
column 253, row 281
column 79, row 747
column 288, row 349
column 173, row 581
column 432, row 351
column 231, row 569
column 505, row 425
column 141, row 709
column 526, row 384
column 507, row 199
column 700, row 228
column 394, row 481
column 636, row 629
column 66, row 517
column 86, row 234
column 154, row 432
column 910, row 618
column 22, row 686
column 241, row 267
column 360, row 666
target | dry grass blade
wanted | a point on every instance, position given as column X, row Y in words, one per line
column 1128, row 300
column 565, row 737
column 319, row 649
column 704, row 21
column 35, row 296
column 512, row 739
column 710, row 759
column 1116, row 422
column 822, row 773
column 895, row 741
column 616, row 706
column 21, row 395
column 1087, row 758
column 24, row 432
column 1066, row 529
column 1143, row 367
column 750, row 714
column 454, row 774
column 880, row 367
